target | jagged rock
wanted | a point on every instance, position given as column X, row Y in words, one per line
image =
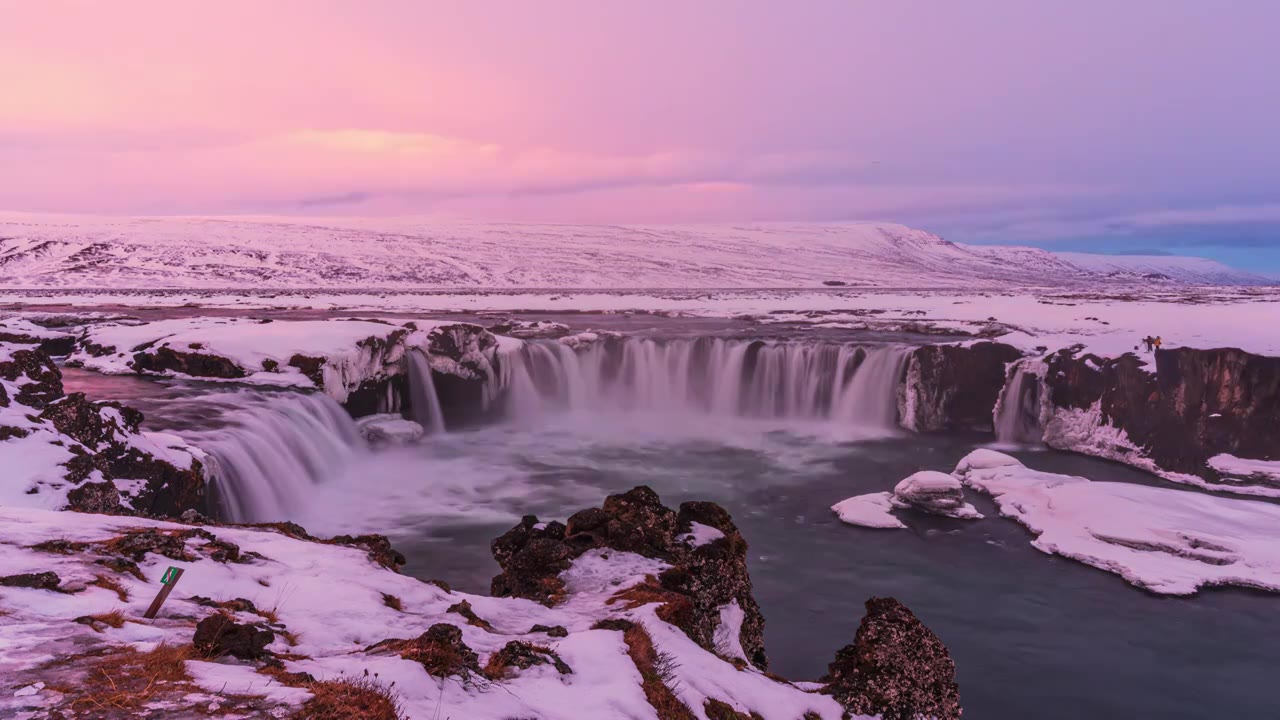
column 522, row 655
column 41, row 381
column 137, row 544
column 219, row 635
column 196, row 364
column 440, row 650
column 934, row 492
column 532, row 555
column 706, row 584
column 377, row 546
column 953, row 387
column 101, row 498
column 36, row 581
column 896, row 668
column 90, row 423
column 551, row 631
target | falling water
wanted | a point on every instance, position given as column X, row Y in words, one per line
column 1017, row 413
column 854, row 385
column 424, row 403
column 266, row 465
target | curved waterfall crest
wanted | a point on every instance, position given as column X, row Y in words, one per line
column 267, row 463
column 793, row 379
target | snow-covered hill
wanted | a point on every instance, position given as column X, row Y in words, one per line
column 274, row 252
column 1194, row 270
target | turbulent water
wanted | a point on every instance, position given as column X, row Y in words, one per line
column 266, row 466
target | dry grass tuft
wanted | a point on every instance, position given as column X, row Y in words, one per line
column 657, row 671
column 361, row 698
column 126, row 680
column 392, row 602
column 107, row 582
column 718, row 710
column 115, row 618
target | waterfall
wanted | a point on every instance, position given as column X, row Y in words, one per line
column 1016, row 416
column 264, row 467
column 424, row 403
column 851, row 384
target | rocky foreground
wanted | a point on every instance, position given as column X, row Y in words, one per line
column 630, row 610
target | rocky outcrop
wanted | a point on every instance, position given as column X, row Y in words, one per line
column 706, row 591
column 196, row 364
column 440, row 649
column 954, row 387
column 1194, row 404
column 219, row 635
column 896, row 668
column 39, row 380
column 101, row 442
column 934, row 492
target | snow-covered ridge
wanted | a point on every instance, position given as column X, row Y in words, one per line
column 1194, row 270
column 234, row 252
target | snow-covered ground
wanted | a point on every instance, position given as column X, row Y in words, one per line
column 1168, row 541
column 1108, row 324
column 327, row 605
column 300, row 252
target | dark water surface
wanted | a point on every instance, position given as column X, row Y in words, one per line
column 1032, row 635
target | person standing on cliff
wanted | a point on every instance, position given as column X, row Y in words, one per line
column 1157, row 342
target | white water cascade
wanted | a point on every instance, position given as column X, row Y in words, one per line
column 850, row 384
column 264, row 468
column 1016, row 416
column 424, row 403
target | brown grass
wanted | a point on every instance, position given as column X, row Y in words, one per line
column 107, row 582
column 351, row 699
column 271, row 615
column 289, row 636
column 126, row 679
column 392, row 602
column 656, row 670
column 718, row 710
column 115, row 618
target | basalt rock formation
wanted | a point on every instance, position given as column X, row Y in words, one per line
column 707, row 580
column 896, row 668
column 954, row 387
column 1196, row 404
column 102, row 441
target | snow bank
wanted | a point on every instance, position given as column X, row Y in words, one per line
column 874, row 510
column 1168, row 541
column 1264, row 471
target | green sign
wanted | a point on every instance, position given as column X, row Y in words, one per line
column 170, row 576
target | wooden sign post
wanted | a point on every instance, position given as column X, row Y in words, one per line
column 169, row 579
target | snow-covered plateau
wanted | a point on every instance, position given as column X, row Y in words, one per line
column 344, row 253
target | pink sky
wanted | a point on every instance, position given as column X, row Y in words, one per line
column 981, row 115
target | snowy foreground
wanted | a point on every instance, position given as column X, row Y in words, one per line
column 1172, row 542
column 327, row 605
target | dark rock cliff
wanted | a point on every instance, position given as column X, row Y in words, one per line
column 954, row 387
column 1192, row 405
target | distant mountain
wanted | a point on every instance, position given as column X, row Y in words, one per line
column 279, row 252
column 1191, row 270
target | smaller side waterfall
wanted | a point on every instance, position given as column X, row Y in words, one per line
column 264, row 467
column 1016, row 416
column 424, row 403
